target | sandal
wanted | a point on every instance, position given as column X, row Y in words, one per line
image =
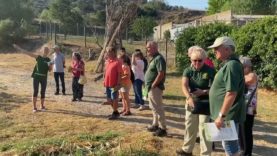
column 122, row 112
column 127, row 113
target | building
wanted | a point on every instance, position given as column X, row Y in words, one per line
column 226, row 17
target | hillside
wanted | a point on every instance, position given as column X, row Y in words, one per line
column 181, row 16
column 162, row 14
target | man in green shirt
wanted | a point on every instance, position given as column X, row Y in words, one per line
column 227, row 91
column 154, row 83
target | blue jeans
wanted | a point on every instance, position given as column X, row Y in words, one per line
column 138, row 92
column 231, row 147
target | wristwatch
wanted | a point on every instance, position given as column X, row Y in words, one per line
column 221, row 115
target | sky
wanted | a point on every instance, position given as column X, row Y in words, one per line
column 191, row 4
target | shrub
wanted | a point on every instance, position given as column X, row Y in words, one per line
column 258, row 40
column 6, row 27
column 203, row 36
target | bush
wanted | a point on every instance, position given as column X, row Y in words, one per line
column 6, row 27
column 203, row 36
column 258, row 40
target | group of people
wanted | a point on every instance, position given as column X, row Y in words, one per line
column 219, row 96
column 44, row 65
column 228, row 94
column 118, row 81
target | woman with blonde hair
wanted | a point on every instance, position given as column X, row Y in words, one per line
column 196, row 83
column 39, row 75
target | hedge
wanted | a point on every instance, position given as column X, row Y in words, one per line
column 255, row 39
column 203, row 36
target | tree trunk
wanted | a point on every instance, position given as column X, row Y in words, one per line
column 117, row 15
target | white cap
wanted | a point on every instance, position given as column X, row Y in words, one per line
column 222, row 41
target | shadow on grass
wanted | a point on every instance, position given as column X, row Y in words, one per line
column 266, row 131
column 11, row 101
column 173, row 97
column 262, row 150
column 174, row 74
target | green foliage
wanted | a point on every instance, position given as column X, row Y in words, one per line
column 62, row 11
column 15, row 20
column 258, row 40
column 100, row 144
column 215, row 6
column 6, row 27
column 143, row 27
column 202, row 36
column 45, row 15
column 256, row 7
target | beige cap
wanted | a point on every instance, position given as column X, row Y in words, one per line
column 222, row 41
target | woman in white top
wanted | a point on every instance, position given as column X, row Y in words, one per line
column 138, row 70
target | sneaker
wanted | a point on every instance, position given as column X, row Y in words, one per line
column 160, row 133
column 181, row 152
column 43, row 109
column 73, row 100
column 152, row 128
column 114, row 116
column 35, row 110
column 141, row 108
column 79, row 99
column 57, row 93
column 106, row 103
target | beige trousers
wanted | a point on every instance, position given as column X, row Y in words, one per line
column 195, row 123
column 156, row 104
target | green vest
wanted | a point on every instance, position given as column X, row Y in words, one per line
column 156, row 65
column 41, row 69
column 230, row 78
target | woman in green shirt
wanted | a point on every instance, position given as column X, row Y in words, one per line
column 39, row 74
column 196, row 82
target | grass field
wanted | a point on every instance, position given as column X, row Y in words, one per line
column 78, row 129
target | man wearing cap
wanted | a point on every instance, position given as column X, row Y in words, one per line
column 58, row 68
column 227, row 91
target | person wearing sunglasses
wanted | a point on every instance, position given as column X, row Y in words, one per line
column 196, row 82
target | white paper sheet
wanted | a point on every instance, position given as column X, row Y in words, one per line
column 228, row 132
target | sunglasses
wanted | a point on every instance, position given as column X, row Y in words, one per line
column 196, row 60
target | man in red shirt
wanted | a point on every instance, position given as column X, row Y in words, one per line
column 112, row 80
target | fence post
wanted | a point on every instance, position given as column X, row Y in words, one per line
column 55, row 41
column 47, row 31
column 51, row 32
column 85, row 34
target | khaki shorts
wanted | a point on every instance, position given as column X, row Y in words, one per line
column 125, row 89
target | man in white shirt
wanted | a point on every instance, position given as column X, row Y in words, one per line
column 58, row 69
